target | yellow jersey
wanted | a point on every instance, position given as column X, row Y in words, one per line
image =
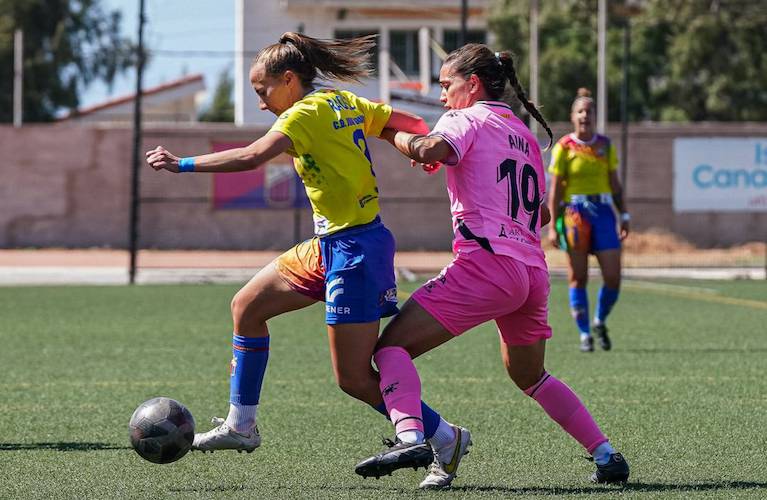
column 584, row 167
column 329, row 130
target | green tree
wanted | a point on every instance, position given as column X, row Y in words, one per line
column 716, row 62
column 67, row 45
column 695, row 60
column 221, row 108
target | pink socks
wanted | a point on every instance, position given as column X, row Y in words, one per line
column 564, row 407
column 400, row 388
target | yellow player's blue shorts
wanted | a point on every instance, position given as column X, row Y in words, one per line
column 588, row 227
column 351, row 270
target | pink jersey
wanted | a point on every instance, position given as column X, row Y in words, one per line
column 495, row 181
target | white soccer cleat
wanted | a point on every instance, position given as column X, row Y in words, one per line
column 441, row 474
column 223, row 437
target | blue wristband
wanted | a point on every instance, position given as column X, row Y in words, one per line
column 186, row 164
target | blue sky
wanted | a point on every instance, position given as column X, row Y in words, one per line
column 173, row 26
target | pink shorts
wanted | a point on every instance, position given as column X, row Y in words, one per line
column 479, row 286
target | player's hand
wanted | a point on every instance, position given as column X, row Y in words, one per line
column 429, row 168
column 553, row 237
column 160, row 158
column 624, row 230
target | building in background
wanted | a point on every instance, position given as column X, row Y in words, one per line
column 176, row 101
column 397, row 23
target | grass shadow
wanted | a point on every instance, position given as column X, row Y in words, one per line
column 693, row 350
column 507, row 490
column 596, row 490
column 61, row 446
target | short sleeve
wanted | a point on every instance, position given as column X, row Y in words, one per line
column 458, row 130
column 295, row 124
column 612, row 158
column 558, row 165
column 376, row 114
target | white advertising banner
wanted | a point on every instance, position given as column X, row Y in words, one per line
column 720, row 174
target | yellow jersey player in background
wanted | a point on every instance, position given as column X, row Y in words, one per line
column 585, row 192
column 350, row 262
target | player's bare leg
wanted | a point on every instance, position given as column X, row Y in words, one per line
column 265, row 296
column 351, row 349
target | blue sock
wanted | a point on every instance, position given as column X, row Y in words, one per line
column 430, row 418
column 579, row 308
column 602, row 453
column 250, row 355
column 605, row 301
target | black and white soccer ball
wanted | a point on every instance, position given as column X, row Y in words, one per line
column 161, row 430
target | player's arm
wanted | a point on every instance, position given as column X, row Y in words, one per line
column 232, row 160
column 426, row 149
column 556, row 193
column 620, row 203
column 545, row 215
column 407, row 122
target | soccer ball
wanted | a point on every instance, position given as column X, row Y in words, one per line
column 161, row 430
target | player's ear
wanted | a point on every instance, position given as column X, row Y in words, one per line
column 288, row 76
column 474, row 84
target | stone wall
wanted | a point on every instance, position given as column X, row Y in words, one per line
column 69, row 186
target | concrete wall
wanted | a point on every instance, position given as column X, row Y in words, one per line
column 69, row 186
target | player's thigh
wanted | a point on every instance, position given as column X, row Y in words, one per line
column 351, row 349
column 610, row 264
column 578, row 268
column 265, row 296
column 524, row 363
column 414, row 329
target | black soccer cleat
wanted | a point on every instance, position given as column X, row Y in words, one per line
column 601, row 333
column 614, row 471
column 398, row 455
column 587, row 344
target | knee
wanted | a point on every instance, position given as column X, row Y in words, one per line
column 578, row 281
column 238, row 305
column 612, row 281
column 524, row 380
column 244, row 308
column 357, row 387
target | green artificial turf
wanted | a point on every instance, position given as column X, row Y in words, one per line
column 682, row 395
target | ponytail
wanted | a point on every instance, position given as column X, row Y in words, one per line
column 507, row 65
column 309, row 58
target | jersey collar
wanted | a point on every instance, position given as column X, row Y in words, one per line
column 584, row 143
column 495, row 103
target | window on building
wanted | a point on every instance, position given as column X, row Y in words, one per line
column 451, row 37
column 404, row 50
column 346, row 34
